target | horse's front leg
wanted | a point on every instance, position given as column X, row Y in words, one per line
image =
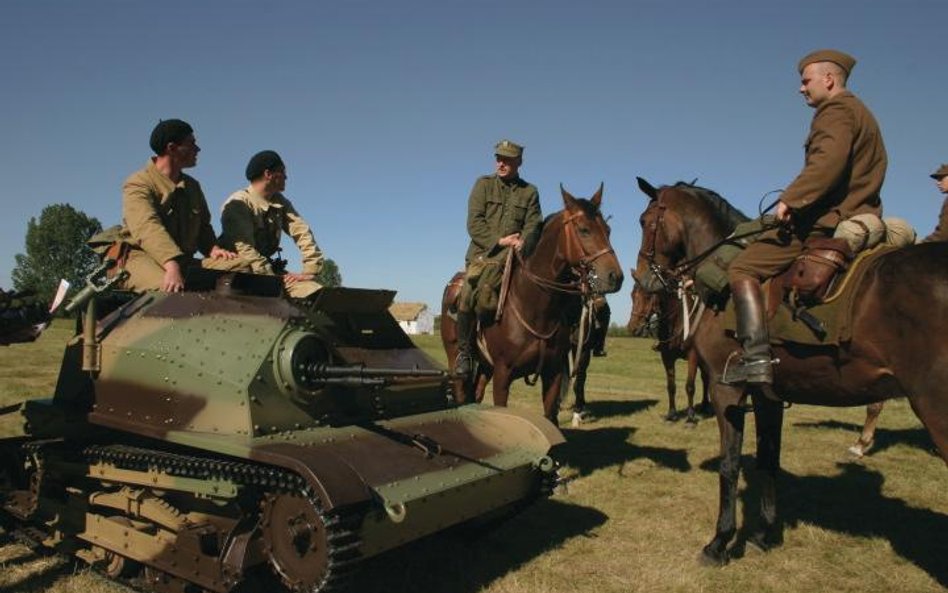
column 501, row 384
column 692, row 357
column 768, row 421
column 668, row 362
column 728, row 408
column 553, row 384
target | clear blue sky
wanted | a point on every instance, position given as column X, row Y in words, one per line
column 386, row 112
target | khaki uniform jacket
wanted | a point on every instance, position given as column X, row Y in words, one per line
column 496, row 209
column 163, row 218
column 252, row 226
column 941, row 231
column 845, row 165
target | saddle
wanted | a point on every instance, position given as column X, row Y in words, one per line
column 812, row 302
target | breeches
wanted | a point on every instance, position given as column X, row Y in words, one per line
column 147, row 274
column 767, row 257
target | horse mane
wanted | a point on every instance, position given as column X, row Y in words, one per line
column 725, row 212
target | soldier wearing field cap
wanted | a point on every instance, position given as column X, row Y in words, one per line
column 165, row 216
column 254, row 219
column 503, row 211
column 941, row 231
column 844, row 168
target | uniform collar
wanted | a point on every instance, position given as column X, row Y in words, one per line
column 262, row 203
column 163, row 180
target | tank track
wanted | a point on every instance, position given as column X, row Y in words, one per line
column 342, row 539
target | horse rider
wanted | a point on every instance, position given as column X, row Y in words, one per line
column 503, row 211
column 941, row 231
column 254, row 219
column 165, row 218
column 843, row 172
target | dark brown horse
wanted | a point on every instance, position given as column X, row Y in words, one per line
column 898, row 347
column 532, row 337
column 670, row 309
column 588, row 336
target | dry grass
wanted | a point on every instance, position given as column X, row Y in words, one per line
column 643, row 502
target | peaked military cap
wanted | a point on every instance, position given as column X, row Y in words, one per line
column 508, row 149
column 843, row 60
column 168, row 130
column 941, row 172
column 265, row 160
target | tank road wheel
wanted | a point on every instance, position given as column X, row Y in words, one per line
column 295, row 541
column 116, row 565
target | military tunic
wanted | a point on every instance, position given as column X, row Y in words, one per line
column 941, row 231
column 842, row 176
column 497, row 208
column 163, row 220
column 252, row 226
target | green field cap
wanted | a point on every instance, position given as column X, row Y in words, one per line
column 508, row 148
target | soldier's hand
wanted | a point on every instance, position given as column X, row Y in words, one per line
column 513, row 240
column 783, row 213
column 173, row 281
column 291, row 279
column 218, row 252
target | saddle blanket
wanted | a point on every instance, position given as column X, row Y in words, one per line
column 834, row 315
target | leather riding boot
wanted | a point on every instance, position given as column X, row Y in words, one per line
column 464, row 364
column 755, row 366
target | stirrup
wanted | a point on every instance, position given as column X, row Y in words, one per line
column 750, row 372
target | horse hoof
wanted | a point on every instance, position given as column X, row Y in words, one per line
column 577, row 420
column 671, row 417
column 691, row 423
column 763, row 542
column 856, row 451
column 710, row 558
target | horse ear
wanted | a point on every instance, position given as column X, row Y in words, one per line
column 568, row 199
column 597, row 197
column 647, row 188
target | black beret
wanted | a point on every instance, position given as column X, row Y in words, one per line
column 265, row 160
column 169, row 130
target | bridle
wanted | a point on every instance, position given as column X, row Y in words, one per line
column 582, row 270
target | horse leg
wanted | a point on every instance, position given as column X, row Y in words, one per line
column 580, row 414
column 552, row 385
column 728, row 408
column 768, row 421
column 692, row 358
column 706, row 409
column 867, row 439
column 501, row 385
column 668, row 361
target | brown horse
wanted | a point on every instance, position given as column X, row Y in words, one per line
column 900, row 318
column 673, row 344
column 588, row 336
column 532, row 337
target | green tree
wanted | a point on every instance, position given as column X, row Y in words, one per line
column 56, row 248
column 329, row 275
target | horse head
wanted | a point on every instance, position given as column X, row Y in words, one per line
column 663, row 239
column 585, row 246
column 644, row 307
column 680, row 222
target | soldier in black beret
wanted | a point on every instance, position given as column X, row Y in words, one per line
column 254, row 219
column 165, row 216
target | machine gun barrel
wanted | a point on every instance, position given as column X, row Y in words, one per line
column 325, row 374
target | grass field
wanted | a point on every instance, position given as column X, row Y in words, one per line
column 641, row 504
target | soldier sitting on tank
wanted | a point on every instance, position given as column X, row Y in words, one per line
column 503, row 211
column 165, row 216
column 253, row 220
